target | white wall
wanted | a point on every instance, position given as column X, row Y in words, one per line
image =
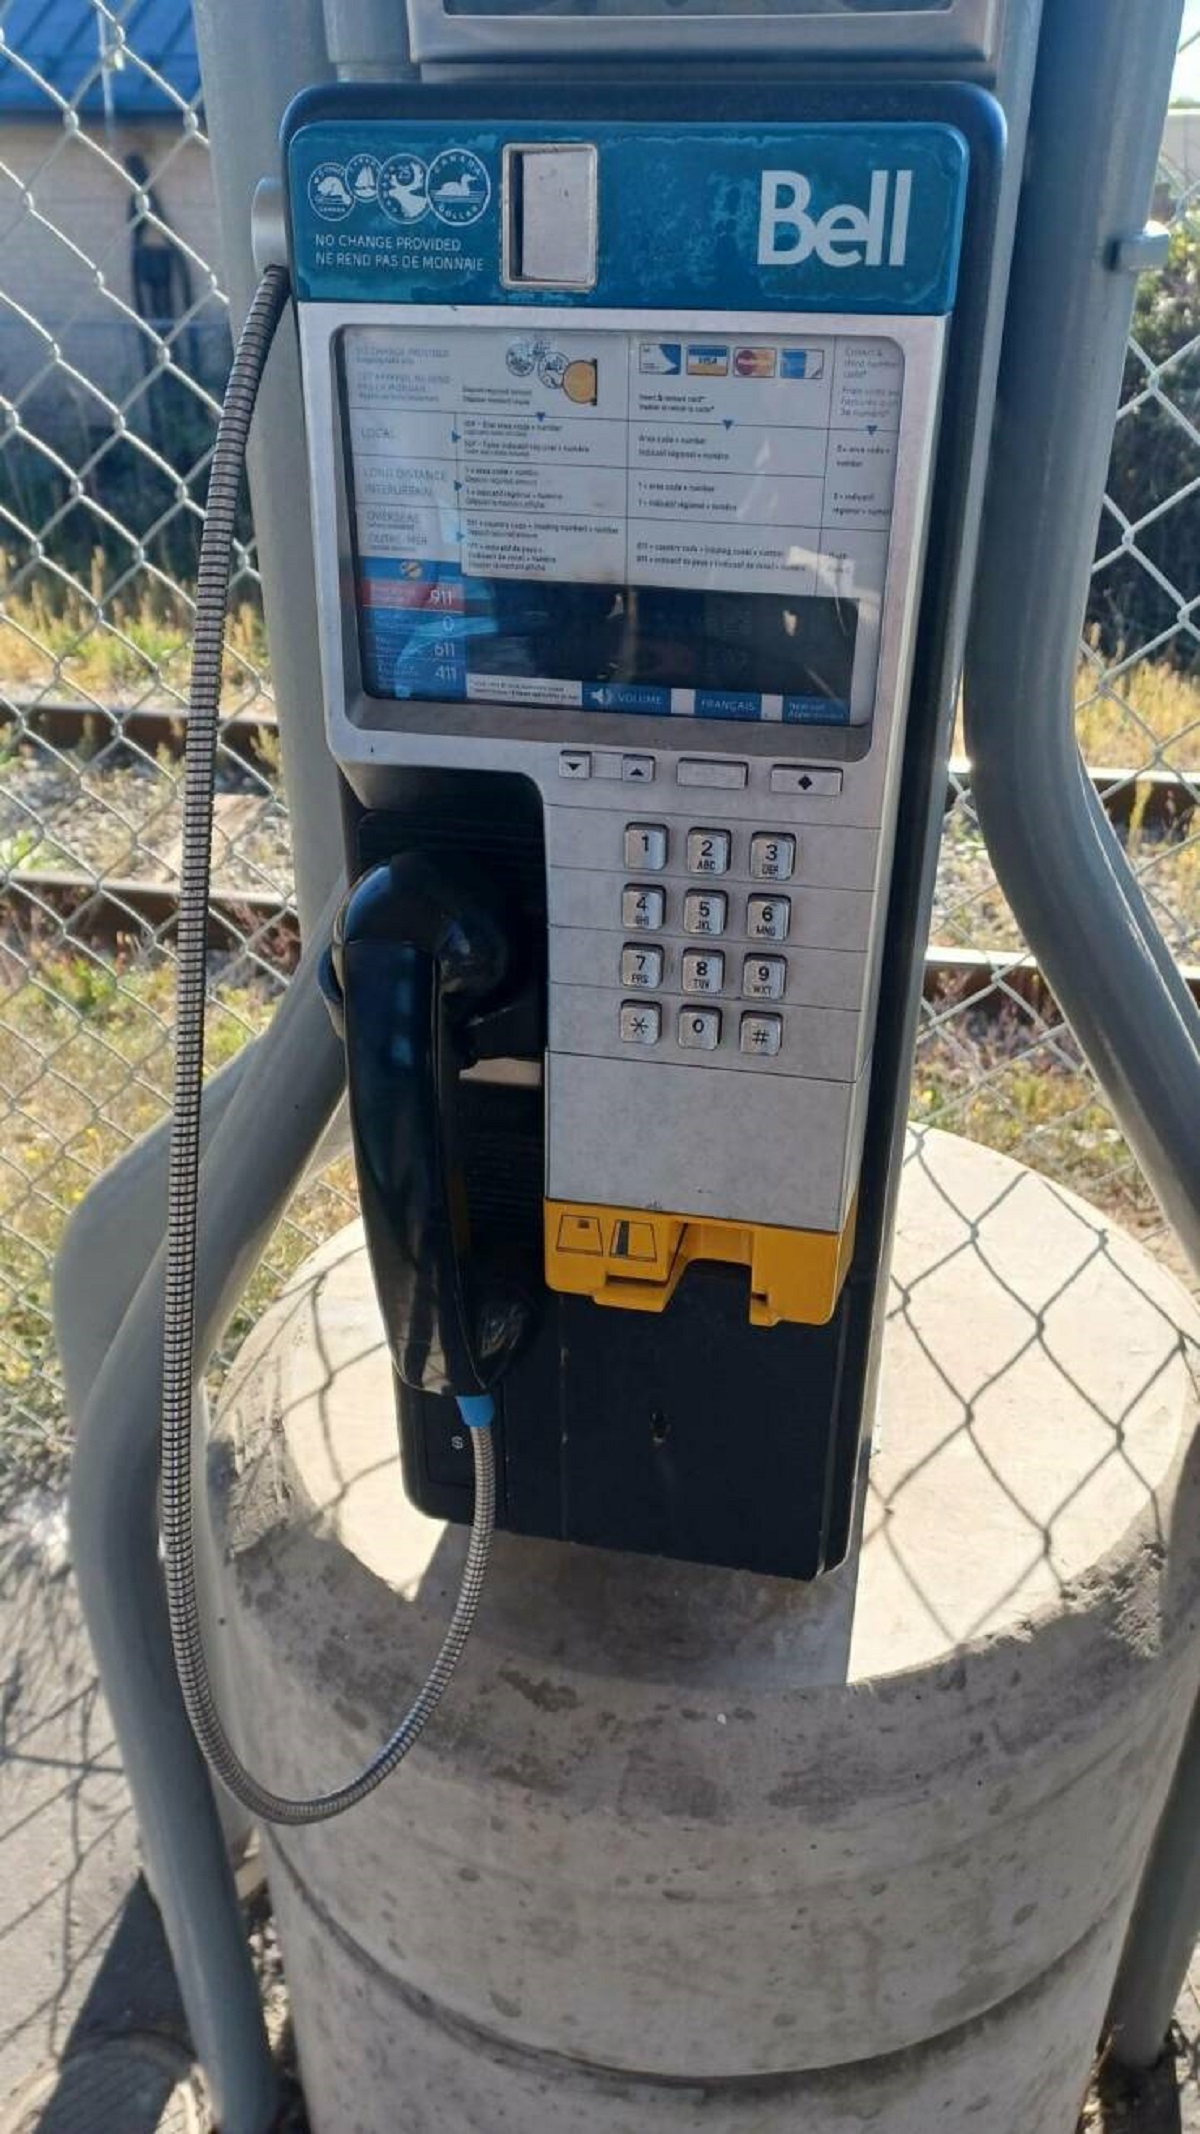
column 65, row 257
column 1181, row 145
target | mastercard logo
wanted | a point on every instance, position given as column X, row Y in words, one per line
column 754, row 362
column 580, row 382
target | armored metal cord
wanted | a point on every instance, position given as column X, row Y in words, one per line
column 212, row 593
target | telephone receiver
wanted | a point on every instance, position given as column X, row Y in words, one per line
column 420, row 952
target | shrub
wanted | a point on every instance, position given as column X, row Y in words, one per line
column 1155, row 460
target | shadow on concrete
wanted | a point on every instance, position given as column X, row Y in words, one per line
column 132, row 1997
column 1152, row 2103
column 83, row 1958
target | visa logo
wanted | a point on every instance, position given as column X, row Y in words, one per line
column 845, row 235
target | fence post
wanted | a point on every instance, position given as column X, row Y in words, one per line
column 1166, row 1923
column 1103, row 77
column 252, row 65
column 270, row 1116
column 1091, row 170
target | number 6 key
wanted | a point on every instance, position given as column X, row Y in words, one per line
column 768, row 918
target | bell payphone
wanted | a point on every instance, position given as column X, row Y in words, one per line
column 623, row 419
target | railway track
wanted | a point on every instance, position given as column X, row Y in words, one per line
column 113, row 913
column 110, row 911
column 1154, row 799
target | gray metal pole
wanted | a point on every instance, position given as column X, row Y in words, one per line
column 254, row 56
column 1103, row 77
column 1166, row 1923
column 368, row 39
column 128, row 1202
column 1103, row 80
column 268, row 1128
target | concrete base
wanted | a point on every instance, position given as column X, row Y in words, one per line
column 681, row 1850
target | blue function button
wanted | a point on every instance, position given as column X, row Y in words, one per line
column 815, row 711
column 728, row 704
column 625, row 696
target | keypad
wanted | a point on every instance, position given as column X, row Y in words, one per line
column 642, row 909
column 641, row 966
column 705, row 911
column 641, row 1022
column 700, row 1029
column 703, row 970
column 750, row 912
column 646, row 847
column 708, row 851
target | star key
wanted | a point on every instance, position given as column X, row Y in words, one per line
column 640, row 1022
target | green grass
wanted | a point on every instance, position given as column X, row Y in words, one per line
column 61, row 642
column 84, row 1052
column 58, row 640
column 1123, row 722
column 1145, row 717
column 85, row 1058
column 1039, row 1104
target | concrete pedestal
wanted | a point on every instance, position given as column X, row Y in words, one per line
column 688, row 1849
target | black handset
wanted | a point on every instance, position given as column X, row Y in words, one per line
column 419, row 951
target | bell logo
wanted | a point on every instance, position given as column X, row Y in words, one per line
column 845, row 235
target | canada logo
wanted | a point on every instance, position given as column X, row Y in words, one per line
column 459, row 187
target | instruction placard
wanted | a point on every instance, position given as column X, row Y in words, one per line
column 761, row 466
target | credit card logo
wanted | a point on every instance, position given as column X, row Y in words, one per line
column 707, row 359
column 661, row 359
column 801, row 362
column 754, row 362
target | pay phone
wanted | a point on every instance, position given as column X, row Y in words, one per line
column 637, row 420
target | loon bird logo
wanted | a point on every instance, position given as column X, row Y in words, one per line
column 845, row 235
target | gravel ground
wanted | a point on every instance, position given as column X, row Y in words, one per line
column 970, row 912
column 121, row 815
column 83, row 1961
column 68, row 814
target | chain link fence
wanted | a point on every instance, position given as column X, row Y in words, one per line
column 995, row 1059
column 114, row 342
column 114, row 346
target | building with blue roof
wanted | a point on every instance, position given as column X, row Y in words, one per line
column 108, row 230
column 141, row 65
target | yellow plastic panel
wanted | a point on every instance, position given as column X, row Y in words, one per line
column 634, row 1260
